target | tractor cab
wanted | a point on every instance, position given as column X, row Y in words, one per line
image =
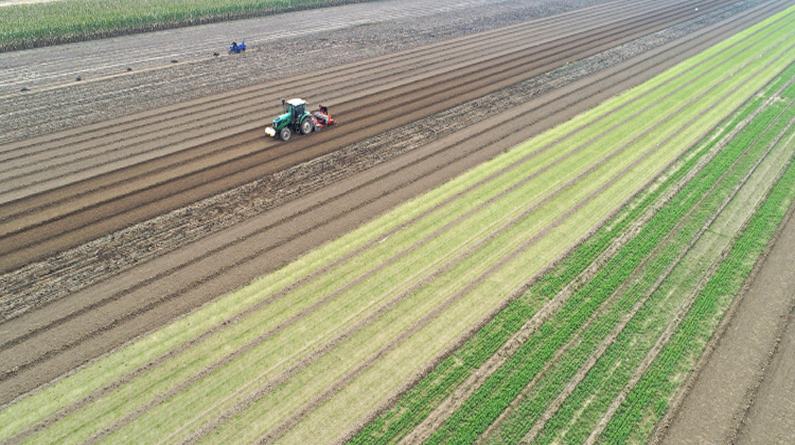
column 296, row 108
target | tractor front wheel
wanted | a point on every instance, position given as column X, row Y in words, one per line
column 307, row 126
column 285, row 134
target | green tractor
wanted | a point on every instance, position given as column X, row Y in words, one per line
column 297, row 119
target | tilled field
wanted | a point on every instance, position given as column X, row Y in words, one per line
column 61, row 193
column 70, row 188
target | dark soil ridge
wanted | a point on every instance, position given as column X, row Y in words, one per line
column 40, row 283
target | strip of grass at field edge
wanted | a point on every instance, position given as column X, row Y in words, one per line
column 43, row 24
column 417, row 403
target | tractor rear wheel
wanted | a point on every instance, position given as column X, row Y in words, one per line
column 307, row 126
column 285, row 134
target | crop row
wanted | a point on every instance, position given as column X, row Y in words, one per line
column 649, row 398
column 415, row 405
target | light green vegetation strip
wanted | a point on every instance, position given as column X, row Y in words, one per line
column 350, row 304
column 41, row 24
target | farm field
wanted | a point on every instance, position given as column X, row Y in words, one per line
column 549, row 272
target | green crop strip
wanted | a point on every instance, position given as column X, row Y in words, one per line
column 485, row 405
column 41, row 24
column 650, row 396
column 415, row 405
column 613, row 370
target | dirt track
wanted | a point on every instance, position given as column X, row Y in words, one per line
column 67, row 333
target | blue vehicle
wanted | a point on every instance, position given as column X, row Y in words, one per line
column 235, row 48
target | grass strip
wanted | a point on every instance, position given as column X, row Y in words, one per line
column 649, row 399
